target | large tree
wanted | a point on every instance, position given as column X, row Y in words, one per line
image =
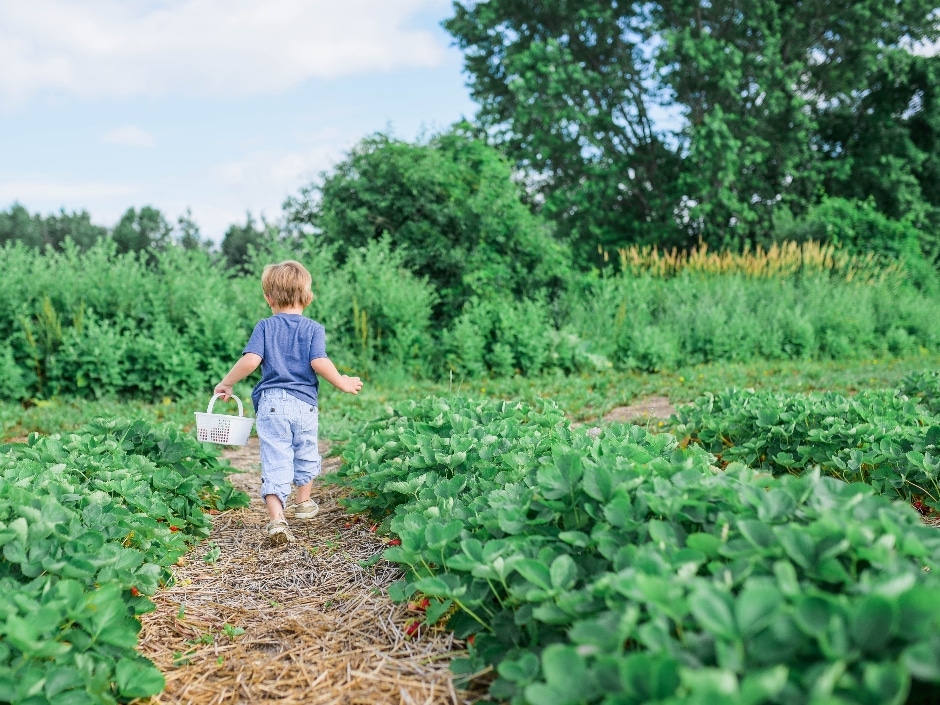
column 887, row 140
column 760, row 81
column 570, row 89
column 450, row 204
column 141, row 231
column 567, row 89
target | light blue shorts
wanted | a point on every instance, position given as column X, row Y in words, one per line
column 287, row 429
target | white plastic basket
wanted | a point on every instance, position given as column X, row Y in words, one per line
column 221, row 428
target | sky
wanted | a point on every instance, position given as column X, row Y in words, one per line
column 221, row 107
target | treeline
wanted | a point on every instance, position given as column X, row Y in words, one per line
column 145, row 230
column 672, row 121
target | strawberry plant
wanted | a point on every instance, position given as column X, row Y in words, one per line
column 89, row 524
column 880, row 438
column 625, row 568
column 924, row 386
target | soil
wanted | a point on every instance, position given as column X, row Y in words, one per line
column 650, row 408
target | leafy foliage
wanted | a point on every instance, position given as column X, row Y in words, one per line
column 568, row 91
column 666, row 122
column 89, row 523
column 623, row 568
column 18, row 225
column 97, row 324
column 926, row 387
column 451, row 206
column 142, row 231
column 878, row 438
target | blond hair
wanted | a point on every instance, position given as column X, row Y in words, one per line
column 287, row 284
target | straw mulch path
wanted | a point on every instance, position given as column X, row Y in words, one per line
column 318, row 627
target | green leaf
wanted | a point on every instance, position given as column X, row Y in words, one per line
column 436, row 610
column 439, row 535
column 923, row 660
column 400, row 590
column 564, row 572
column 649, row 677
column 598, row 483
column 535, row 572
column 756, row 607
column 575, row 538
column 447, row 585
column 933, row 436
column 799, row 545
column 521, row 670
column 60, row 678
column 763, row 686
column 713, row 610
column 566, row 678
column 873, row 623
column 813, row 614
column 708, row 544
column 757, row 533
column 138, row 678
column 787, row 579
column 887, row 683
column 559, row 480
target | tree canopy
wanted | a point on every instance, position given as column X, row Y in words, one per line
column 450, row 204
column 667, row 122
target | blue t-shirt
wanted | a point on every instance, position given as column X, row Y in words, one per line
column 287, row 343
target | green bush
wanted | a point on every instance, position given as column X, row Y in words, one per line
column 646, row 322
column 858, row 227
column 97, row 324
column 13, row 384
column 453, row 208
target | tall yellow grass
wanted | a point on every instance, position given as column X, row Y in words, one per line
column 780, row 261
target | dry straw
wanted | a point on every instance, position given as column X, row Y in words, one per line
column 318, row 627
column 780, row 261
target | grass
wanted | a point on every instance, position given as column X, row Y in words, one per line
column 585, row 397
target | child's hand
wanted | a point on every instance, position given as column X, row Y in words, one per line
column 351, row 385
column 225, row 390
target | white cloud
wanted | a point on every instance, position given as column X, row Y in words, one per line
column 260, row 181
column 130, row 136
column 121, row 48
column 61, row 192
column 270, row 175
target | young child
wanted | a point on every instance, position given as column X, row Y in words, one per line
column 291, row 350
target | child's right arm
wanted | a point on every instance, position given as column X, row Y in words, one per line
column 325, row 368
column 245, row 366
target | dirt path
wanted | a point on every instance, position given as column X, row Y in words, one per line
column 318, row 628
column 642, row 412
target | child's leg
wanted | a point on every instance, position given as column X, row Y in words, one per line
column 277, row 456
column 275, row 507
column 307, row 461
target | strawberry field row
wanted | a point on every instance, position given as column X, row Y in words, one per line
column 624, row 568
column 883, row 438
column 89, row 524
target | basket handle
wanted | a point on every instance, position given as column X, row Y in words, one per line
column 241, row 410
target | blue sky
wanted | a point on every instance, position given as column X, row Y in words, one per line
column 219, row 106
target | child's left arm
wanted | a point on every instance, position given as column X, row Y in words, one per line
column 245, row 366
column 327, row 370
